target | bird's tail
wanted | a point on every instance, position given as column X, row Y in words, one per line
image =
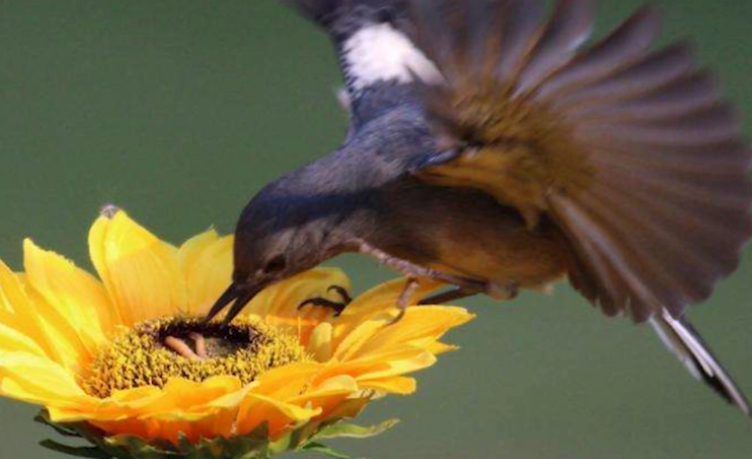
column 683, row 340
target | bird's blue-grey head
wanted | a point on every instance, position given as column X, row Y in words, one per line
column 279, row 235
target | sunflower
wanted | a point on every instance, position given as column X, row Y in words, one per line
column 126, row 362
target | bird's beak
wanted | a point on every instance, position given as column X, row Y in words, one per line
column 239, row 296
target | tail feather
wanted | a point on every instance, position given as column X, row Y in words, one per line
column 683, row 340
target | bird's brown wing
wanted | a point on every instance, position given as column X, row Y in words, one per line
column 630, row 151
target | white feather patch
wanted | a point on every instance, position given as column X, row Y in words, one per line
column 379, row 52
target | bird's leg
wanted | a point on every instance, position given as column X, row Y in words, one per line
column 503, row 292
column 404, row 299
column 411, row 270
column 449, row 295
column 466, row 286
column 337, row 306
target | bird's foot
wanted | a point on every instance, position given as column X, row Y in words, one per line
column 447, row 296
column 342, row 292
column 500, row 292
column 404, row 299
column 337, row 306
column 503, row 292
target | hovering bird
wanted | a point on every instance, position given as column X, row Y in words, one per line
column 494, row 147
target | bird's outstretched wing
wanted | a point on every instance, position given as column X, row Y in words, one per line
column 374, row 43
column 630, row 151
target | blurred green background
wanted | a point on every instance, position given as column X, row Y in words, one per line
column 180, row 110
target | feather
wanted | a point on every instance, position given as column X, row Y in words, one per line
column 625, row 44
column 569, row 27
column 522, row 22
column 683, row 340
column 572, row 89
column 681, row 95
column 631, row 152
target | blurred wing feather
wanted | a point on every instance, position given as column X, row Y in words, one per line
column 632, row 152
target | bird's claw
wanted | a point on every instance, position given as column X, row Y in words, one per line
column 404, row 300
column 342, row 292
column 337, row 306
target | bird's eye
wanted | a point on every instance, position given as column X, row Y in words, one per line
column 275, row 265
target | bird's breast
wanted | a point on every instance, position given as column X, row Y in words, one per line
column 467, row 232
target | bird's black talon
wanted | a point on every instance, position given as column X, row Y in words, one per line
column 342, row 292
column 338, row 308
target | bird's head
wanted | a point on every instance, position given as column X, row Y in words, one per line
column 278, row 236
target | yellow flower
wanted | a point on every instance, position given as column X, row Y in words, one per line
column 127, row 357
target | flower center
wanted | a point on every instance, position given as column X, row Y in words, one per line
column 154, row 352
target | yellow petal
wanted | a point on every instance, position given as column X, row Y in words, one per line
column 15, row 310
column 218, row 422
column 286, row 382
column 257, row 410
column 401, row 367
column 278, row 304
column 389, row 363
column 204, row 405
column 320, row 343
column 437, row 347
column 141, row 273
column 12, row 340
column 344, row 385
column 70, row 348
column 40, row 381
column 282, row 300
column 347, row 409
column 358, row 338
column 379, row 303
column 188, row 400
column 121, row 405
column 73, row 293
column 329, row 395
column 36, row 320
column 206, row 261
column 137, row 398
column 421, row 327
column 400, row 385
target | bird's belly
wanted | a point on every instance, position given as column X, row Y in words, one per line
column 469, row 233
column 504, row 258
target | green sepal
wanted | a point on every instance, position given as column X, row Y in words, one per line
column 90, row 452
column 347, row 430
column 44, row 419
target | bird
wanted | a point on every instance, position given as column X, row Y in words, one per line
column 496, row 146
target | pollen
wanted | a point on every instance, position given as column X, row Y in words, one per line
column 153, row 352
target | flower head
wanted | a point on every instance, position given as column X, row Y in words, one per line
column 125, row 361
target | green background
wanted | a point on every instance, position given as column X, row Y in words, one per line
column 179, row 111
